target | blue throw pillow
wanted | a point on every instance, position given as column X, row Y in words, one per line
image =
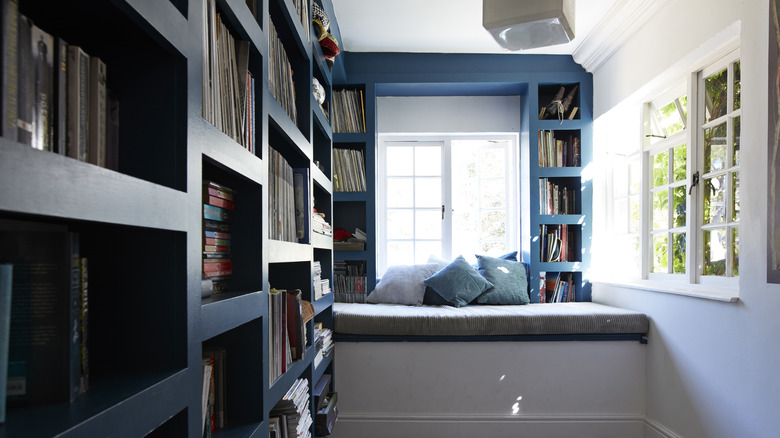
column 457, row 284
column 509, row 278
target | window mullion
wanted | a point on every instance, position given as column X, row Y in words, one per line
column 446, row 180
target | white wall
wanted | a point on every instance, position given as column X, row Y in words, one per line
column 448, row 114
column 713, row 369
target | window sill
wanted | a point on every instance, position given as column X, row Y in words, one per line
column 704, row 292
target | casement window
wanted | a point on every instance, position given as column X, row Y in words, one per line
column 674, row 202
column 446, row 196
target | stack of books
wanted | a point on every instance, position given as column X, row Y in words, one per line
column 291, row 417
column 321, row 285
column 323, row 342
column 319, row 225
column 218, row 206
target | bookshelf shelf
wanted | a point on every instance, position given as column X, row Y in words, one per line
column 140, row 222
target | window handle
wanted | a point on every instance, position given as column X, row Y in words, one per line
column 442, row 212
column 694, row 182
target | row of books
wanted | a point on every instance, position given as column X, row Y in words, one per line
column 213, row 392
column 555, row 198
column 323, row 343
column 288, row 198
column 321, row 285
column 54, row 94
column 556, row 152
column 349, row 170
column 349, row 282
column 218, row 207
column 228, row 85
column 280, row 74
column 44, row 315
column 291, row 416
column 349, row 112
column 557, row 243
column 287, row 331
column 557, row 289
column 302, row 8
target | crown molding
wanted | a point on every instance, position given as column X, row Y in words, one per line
column 617, row 26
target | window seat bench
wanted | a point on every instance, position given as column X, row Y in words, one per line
column 564, row 321
column 538, row 370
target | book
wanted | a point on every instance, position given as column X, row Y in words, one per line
column 43, row 50
column 60, row 103
column 9, row 10
column 207, row 371
column 97, row 111
column 44, row 358
column 218, row 190
column 78, row 103
column 6, row 281
column 112, row 130
column 26, row 83
column 84, row 322
column 296, row 331
column 218, row 202
column 215, row 213
column 217, row 356
column 301, row 188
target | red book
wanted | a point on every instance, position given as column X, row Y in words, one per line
column 218, row 202
column 222, row 273
column 217, row 265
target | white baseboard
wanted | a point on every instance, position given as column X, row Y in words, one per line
column 654, row 429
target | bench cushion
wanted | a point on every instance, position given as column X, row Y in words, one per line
column 486, row 320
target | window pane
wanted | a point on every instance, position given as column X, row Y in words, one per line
column 619, row 182
column 620, row 216
column 427, row 192
column 400, row 160
column 715, row 148
column 737, row 86
column 634, row 176
column 493, row 249
column 661, row 169
column 661, row 210
column 735, row 196
column 427, row 161
column 679, row 206
column 715, row 252
column 424, row 249
column 400, row 253
column 659, row 254
column 493, row 193
column 716, row 95
column 678, row 253
column 400, row 192
column 634, row 224
column 400, row 224
column 735, row 252
column 492, row 162
column 427, row 224
column 670, row 119
column 493, row 224
column 736, row 144
column 680, row 162
column 714, row 191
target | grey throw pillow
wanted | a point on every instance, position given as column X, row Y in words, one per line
column 402, row 284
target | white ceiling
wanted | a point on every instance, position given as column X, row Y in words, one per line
column 440, row 26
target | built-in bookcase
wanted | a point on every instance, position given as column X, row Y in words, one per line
column 560, row 195
column 140, row 224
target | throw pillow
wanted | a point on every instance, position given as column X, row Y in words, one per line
column 509, row 279
column 431, row 297
column 402, row 284
column 457, row 283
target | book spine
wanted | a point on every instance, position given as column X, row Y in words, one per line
column 24, row 111
column 112, row 130
column 78, row 103
column 74, row 323
column 97, row 112
column 214, row 213
column 60, row 104
column 10, row 60
column 218, row 202
column 6, row 281
column 43, row 111
column 84, row 323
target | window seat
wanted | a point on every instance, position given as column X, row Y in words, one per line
column 553, row 321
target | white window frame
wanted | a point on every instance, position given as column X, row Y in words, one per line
column 512, row 186
column 692, row 283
